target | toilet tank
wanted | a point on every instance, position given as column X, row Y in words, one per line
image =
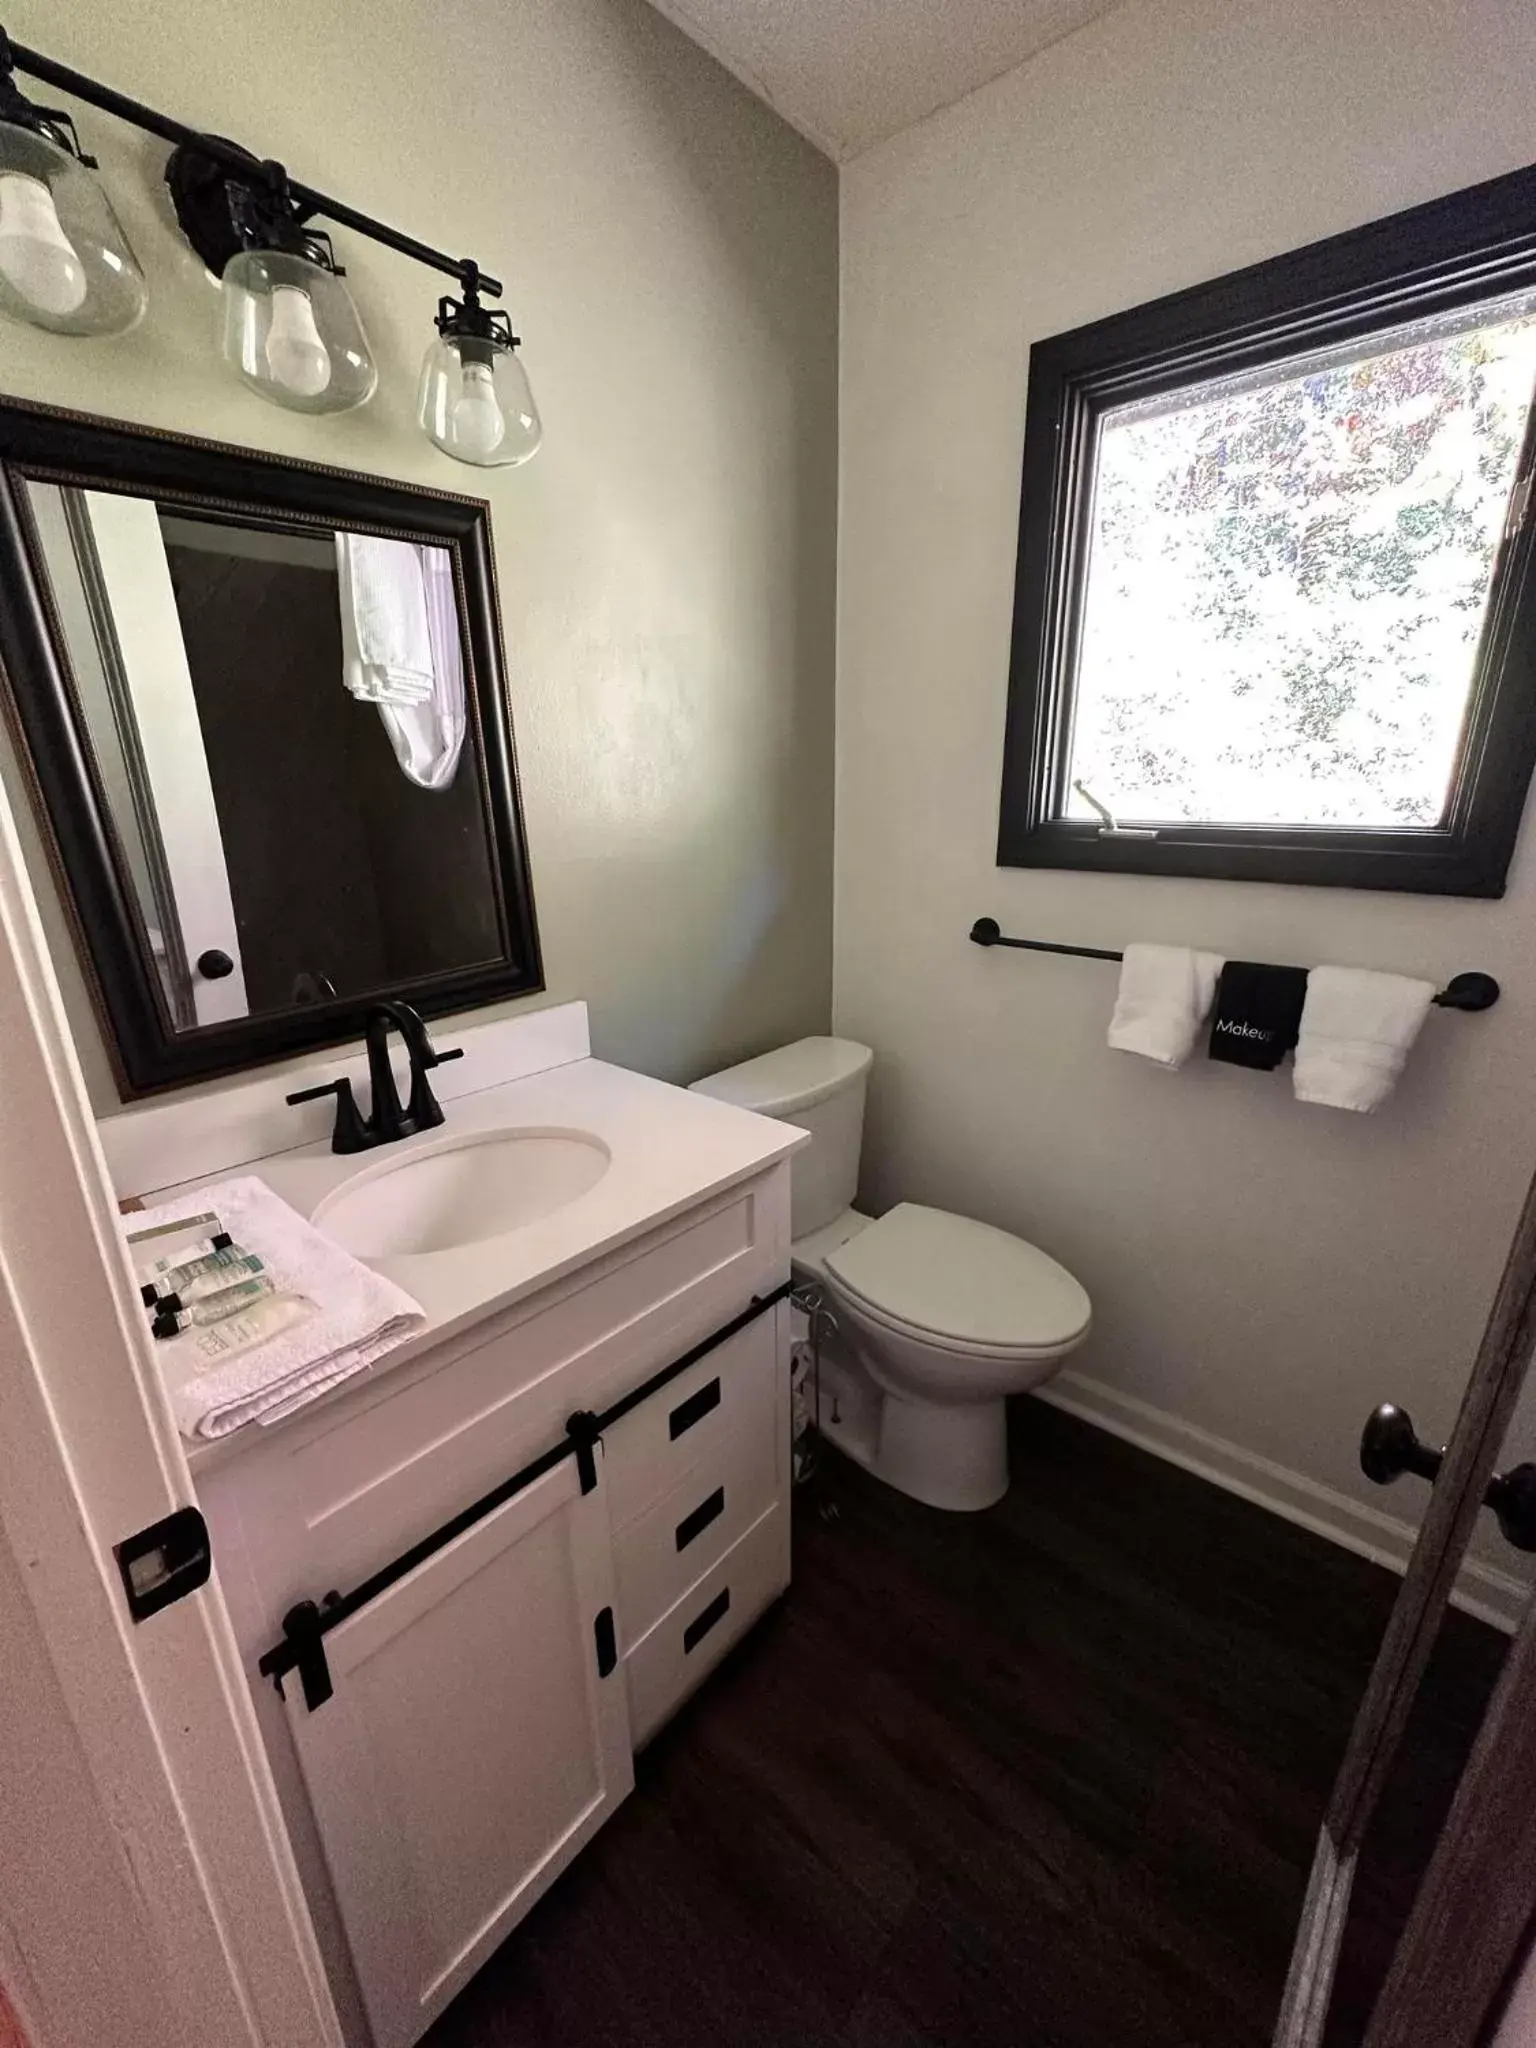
column 817, row 1083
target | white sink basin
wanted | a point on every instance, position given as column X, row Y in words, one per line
column 461, row 1191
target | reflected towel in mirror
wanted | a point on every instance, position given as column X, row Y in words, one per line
column 385, row 639
column 401, row 649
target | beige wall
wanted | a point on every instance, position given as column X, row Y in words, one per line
column 666, row 564
column 1261, row 1271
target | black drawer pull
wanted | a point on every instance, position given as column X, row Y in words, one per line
column 694, row 1409
column 607, row 1647
column 705, row 1513
column 701, row 1624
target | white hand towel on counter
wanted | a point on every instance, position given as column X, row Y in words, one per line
column 1357, row 1029
column 1165, row 996
column 359, row 1315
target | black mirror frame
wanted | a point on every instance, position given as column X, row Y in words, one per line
column 45, row 445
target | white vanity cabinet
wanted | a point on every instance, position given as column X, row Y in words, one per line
column 471, row 1746
column 698, row 1494
column 476, row 1713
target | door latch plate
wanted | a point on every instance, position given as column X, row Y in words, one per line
column 164, row 1562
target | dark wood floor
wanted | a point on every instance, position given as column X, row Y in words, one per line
column 1047, row 1777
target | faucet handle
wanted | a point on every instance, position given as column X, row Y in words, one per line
column 424, row 1112
column 350, row 1134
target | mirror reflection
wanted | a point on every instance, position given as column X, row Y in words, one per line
column 279, row 717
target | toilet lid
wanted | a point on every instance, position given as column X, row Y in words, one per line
column 962, row 1280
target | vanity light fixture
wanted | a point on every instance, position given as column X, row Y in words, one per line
column 475, row 402
column 65, row 263
column 290, row 327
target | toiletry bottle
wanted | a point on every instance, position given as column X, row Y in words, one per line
column 174, row 1315
column 214, row 1280
column 234, row 1334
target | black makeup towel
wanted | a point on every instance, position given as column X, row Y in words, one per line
column 1258, row 1013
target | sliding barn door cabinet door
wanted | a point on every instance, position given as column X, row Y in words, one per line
column 475, row 1738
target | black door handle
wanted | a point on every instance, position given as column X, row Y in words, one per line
column 214, row 965
column 1389, row 1447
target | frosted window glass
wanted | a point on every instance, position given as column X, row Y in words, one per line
column 1287, row 580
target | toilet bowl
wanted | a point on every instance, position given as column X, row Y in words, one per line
column 936, row 1318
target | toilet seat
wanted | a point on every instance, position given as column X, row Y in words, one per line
column 953, row 1348
column 960, row 1286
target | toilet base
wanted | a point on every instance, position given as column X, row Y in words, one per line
column 951, row 1456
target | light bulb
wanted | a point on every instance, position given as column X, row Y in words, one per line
column 298, row 359
column 477, row 422
column 38, row 258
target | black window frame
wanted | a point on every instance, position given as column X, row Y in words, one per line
column 1475, row 245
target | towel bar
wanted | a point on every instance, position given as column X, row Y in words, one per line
column 1461, row 992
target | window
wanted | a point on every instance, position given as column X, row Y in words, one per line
column 1275, row 616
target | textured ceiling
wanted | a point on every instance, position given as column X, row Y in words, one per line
column 848, row 72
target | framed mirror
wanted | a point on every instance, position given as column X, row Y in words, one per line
column 264, row 711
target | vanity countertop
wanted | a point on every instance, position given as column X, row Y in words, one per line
column 669, row 1150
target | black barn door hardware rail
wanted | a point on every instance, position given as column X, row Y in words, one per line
column 306, row 1625
column 1461, row 992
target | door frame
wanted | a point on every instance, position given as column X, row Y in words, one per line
column 133, row 579
column 1453, row 1970
column 1455, row 1502
column 171, row 1817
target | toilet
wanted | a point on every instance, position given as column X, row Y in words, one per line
column 937, row 1318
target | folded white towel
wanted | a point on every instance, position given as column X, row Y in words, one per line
column 360, row 1315
column 1357, row 1029
column 1165, row 996
column 385, row 638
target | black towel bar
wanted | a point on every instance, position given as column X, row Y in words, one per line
column 1461, row 992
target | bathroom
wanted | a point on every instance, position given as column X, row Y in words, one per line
column 755, row 594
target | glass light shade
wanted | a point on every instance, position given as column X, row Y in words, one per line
column 293, row 333
column 65, row 263
column 476, row 404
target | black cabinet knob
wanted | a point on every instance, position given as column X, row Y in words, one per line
column 214, row 965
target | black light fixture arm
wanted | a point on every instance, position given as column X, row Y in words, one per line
column 468, row 273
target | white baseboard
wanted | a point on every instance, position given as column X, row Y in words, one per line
column 1491, row 1595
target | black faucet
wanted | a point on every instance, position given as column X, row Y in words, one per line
column 386, row 1120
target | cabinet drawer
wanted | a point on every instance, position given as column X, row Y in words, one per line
column 684, row 1534
column 691, row 1638
column 685, row 1424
